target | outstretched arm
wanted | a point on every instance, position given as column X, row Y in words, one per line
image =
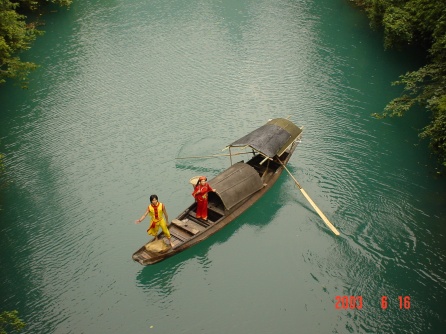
column 142, row 218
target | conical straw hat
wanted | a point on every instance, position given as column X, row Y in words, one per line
column 194, row 180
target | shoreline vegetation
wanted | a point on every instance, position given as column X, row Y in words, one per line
column 405, row 23
column 10, row 322
column 19, row 22
column 421, row 24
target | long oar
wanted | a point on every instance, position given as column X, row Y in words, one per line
column 321, row 214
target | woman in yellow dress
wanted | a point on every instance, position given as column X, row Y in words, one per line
column 156, row 210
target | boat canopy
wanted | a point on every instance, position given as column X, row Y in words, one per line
column 236, row 184
column 271, row 139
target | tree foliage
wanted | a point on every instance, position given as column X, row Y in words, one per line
column 16, row 35
column 419, row 23
column 10, row 322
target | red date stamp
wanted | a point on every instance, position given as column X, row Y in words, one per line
column 348, row 302
column 404, row 302
column 356, row 302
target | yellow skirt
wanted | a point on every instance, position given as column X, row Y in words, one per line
column 154, row 230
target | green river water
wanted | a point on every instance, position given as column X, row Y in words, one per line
column 126, row 87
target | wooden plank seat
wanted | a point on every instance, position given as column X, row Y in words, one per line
column 193, row 217
column 178, row 235
column 188, row 225
column 216, row 209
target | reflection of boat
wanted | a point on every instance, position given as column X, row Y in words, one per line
column 238, row 187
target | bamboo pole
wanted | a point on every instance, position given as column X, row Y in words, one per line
column 315, row 207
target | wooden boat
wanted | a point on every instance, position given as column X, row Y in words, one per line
column 238, row 187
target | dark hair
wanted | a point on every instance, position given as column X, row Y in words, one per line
column 152, row 197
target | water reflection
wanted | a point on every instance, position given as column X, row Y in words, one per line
column 158, row 279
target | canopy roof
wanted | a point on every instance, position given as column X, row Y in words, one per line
column 271, row 139
column 236, row 184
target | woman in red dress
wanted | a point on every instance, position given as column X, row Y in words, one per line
column 201, row 196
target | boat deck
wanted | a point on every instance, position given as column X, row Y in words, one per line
column 239, row 186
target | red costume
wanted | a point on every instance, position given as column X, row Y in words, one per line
column 201, row 196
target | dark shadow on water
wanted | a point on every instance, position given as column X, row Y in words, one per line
column 199, row 170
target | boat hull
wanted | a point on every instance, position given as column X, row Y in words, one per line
column 186, row 230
